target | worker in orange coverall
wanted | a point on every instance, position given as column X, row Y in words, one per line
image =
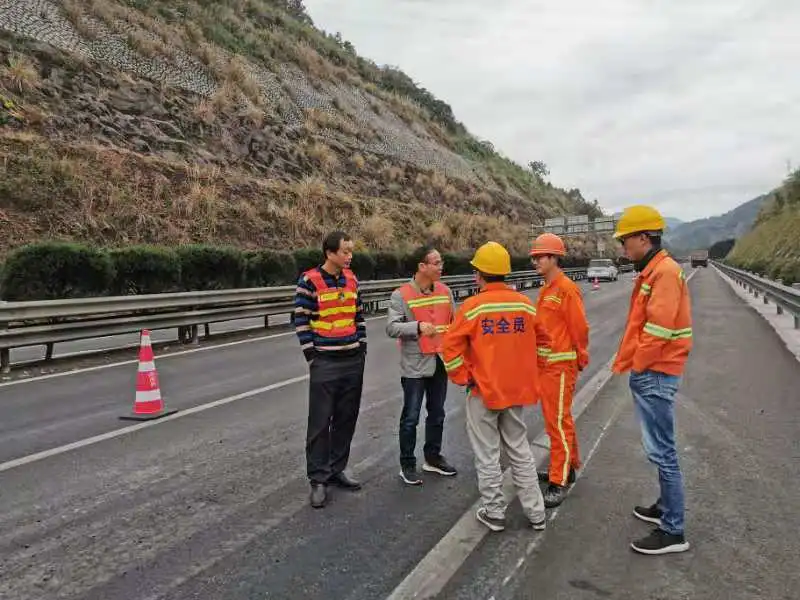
column 560, row 308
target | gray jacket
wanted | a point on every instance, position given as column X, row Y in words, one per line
column 400, row 324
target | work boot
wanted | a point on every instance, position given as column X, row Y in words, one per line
column 343, row 481
column 554, row 495
column 410, row 476
column 544, row 476
column 319, row 495
column 438, row 465
column 651, row 514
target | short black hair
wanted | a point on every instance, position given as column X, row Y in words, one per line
column 333, row 242
column 492, row 278
column 420, row 254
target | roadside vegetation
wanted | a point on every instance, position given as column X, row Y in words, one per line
column 772, row 248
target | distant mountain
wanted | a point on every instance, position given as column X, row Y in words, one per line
column 703, row 233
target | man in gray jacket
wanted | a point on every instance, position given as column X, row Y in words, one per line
column 420, row 312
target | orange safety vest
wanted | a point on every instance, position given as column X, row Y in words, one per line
column 560, row 308
column 658, row 334
column 434, row 308
column 492, row 344
column 336, row 312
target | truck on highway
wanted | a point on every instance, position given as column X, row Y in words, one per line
column 699, row 258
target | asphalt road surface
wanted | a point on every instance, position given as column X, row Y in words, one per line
column 739, row 440
column 214, row 504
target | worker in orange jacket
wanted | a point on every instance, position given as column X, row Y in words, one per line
column 654, row 348
column 560, row 308
column 491, row 348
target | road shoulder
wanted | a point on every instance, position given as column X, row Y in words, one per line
column 737, row 419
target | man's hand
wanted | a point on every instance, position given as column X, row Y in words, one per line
column 427, row 329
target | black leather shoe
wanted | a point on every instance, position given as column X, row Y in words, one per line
column 343, row 481
column 319, row 495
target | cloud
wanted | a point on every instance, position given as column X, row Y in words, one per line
column 692, row 106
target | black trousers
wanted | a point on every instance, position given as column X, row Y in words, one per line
column 434, row 390
column 333, row 405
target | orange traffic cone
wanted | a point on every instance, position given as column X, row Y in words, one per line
column 595, row 284
column 148, row 403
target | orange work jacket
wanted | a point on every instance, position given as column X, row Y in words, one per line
column 658, row 334
column 560, row 308
column 491, row 345
column 336, row 306
column 434, row 308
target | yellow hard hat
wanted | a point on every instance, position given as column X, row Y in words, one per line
column 492, row 259
column 638, row 219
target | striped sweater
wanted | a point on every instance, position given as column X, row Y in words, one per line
column 307, row 309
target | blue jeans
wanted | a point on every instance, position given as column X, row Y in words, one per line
column 414, row 389
column 654, row 397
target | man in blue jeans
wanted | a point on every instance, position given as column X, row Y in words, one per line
column 654, row 348
column 420, row 312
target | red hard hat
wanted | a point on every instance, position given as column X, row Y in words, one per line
column 548, row 243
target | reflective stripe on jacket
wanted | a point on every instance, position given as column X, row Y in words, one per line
column 560, row 308
column 336, row 311
column 658, row 334
column 435, row 308
column 491, row 346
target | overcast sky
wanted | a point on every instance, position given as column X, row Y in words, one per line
column 691, row 105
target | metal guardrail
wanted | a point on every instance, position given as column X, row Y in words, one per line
column 47, row 322
column 784, row 298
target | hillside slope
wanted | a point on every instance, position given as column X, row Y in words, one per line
column 703, row 233
column 236, row 122
column 772, row 248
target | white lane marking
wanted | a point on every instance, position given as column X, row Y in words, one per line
column 159, row 357
column 25, row 460
column 433, row 572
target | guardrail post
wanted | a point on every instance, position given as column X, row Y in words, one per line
column 207, row 330
column 5, row 355
column 780, row 309
column 5, row 360
column 766, row 300
column 797, row 321
column 266, row 321
column 195, row 335
column 48, row 352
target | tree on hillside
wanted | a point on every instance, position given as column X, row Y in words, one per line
column 297, row 9
column 721, row 249
column 539, row 169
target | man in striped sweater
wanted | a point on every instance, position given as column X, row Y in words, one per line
column 330, row 325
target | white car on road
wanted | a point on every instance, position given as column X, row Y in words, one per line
column 602, row 268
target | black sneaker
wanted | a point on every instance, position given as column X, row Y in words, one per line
column 660, row 542
column 438, row 465
column 491, row 522
column 651, row 514
column 554, row 495
column 544, row 476
column 410, row 476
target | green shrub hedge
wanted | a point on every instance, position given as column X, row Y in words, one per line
column 145, row 270
column 51, row 270
column 264, row 268
column 211, row 267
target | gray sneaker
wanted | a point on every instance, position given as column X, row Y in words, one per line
column 410, row 476
column 492, row 523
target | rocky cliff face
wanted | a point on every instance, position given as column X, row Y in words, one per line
column 233, row 122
